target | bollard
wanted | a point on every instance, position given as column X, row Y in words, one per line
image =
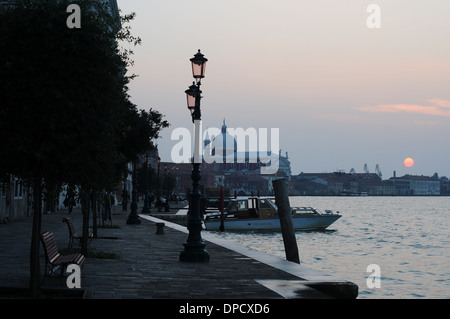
column 160, row 228
column 284, row 213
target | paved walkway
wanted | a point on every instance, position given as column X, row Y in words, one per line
column 149, row 266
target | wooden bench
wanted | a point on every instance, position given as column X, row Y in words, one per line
column 54, row 258
column 72, row 233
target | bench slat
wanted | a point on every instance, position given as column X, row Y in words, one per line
column 52, row 254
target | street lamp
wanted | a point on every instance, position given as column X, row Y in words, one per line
column 157, row 179
column 165, row 186
column 133, row 218
column 193, row 101
column 146, row 208
column 194, row 247
column 198, row 66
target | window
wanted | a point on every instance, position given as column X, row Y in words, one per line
column 242, row 205
column 263, row 204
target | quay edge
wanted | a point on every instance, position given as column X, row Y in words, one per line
column 309, row 278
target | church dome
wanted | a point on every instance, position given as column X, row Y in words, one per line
column 224, row 144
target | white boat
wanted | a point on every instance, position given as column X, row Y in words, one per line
column 261, row 213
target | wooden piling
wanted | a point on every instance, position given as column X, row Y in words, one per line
column 285, row 215
column 222, row 216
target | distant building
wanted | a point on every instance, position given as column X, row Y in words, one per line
column 241, row 170
column 417, row 185
column 339, row 183
column 224, row 165
column 371, row 184
column 225, row 157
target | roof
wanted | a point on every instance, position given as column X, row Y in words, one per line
column 415, row 177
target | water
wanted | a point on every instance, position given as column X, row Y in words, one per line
column 407, row 237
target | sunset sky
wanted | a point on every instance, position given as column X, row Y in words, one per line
column 342, row 94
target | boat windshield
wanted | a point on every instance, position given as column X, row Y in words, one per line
column 250, row 203
column 306, row 210
column 271, row 202
column 237, row 205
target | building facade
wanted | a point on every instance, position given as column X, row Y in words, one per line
column 339, row 183
column 417, row 185
column 227, row 164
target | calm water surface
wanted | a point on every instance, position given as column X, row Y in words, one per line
column 408, row 237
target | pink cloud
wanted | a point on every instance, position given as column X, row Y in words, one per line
column 440, row 102
column 438, row 108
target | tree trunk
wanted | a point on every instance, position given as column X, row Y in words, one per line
column 85, row 211
column 94, row 213
column 35, row 276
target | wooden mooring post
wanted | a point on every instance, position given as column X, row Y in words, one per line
column 285, row 215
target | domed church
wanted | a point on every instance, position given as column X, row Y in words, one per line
column 223, row 156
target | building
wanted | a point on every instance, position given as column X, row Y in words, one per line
column 417, row 185
column 226, row 164
column 226, row 157
column 240, row 168
column 340, row 183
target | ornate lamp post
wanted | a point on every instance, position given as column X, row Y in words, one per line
column 166, row 184
column 146, row 208
column 133, row 218
column 157, row 179
column 194, row 247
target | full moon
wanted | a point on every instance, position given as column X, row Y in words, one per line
column 408, row 162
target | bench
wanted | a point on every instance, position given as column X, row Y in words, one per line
column 72, row 233
column 54, row 258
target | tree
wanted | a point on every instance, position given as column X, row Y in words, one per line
column 65, row 114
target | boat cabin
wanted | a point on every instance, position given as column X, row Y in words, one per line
column 252, row 207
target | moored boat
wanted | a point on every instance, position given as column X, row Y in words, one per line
column 261, row 213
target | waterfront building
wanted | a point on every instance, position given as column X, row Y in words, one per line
column 226, row 165
column 417, row 185
column 226, row 157
column 238, row 168
column 371, row 184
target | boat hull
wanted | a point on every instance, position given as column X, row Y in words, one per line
column 299, row 223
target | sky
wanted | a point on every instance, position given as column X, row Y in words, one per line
column 345, row 84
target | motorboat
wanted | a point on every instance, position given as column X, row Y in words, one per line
column 261, row 213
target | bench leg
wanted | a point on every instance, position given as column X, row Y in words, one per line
column 45, row 273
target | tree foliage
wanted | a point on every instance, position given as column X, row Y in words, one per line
column 65, row 111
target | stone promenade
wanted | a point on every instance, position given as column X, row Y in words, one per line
column 148, row 264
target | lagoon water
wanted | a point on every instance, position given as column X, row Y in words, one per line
column 407, row 237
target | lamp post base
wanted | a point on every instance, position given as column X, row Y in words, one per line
column 133, row 218
column 146, row 209
column 194, row 253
